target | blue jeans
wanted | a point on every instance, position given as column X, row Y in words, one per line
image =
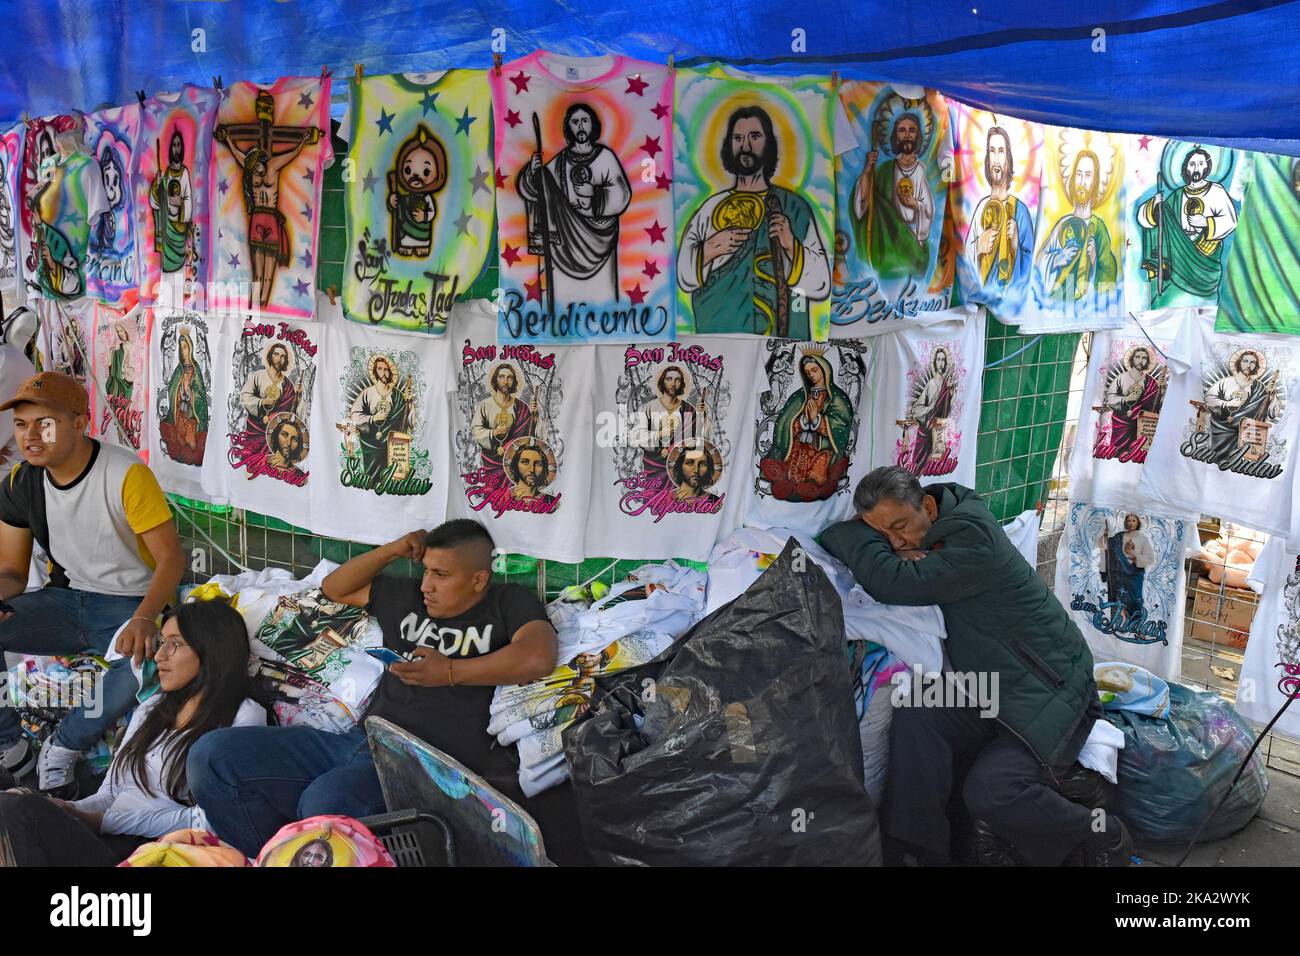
column 61, row 621
column 251, row 781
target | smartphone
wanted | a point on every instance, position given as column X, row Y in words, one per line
column 386, row 655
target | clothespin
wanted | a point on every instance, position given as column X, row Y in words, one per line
column 835, row 79
column 1038, row 508
column 216, row 82
column 496, row 63
column 332, row 292
column 325, row 72
column 139, row 95
column 671, row 67
column 359, row 71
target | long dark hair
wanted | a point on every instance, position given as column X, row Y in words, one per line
column 217, row 634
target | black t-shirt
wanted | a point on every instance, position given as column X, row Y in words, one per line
column 453, row 719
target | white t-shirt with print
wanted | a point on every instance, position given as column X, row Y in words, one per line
column 1270, row 672
column 1228, row 447
column 929, row 378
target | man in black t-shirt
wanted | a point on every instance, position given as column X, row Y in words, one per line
column 464, row 635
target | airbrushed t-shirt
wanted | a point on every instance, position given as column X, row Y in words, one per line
column 453, row 719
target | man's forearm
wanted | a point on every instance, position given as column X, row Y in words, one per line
column 162, row 589
column 11, row 583
column 516, row 663
column 357, row 573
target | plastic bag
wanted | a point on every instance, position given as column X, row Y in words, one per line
column 1174, row 770
column 738, row 746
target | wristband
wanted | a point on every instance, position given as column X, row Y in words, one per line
column 136, row 617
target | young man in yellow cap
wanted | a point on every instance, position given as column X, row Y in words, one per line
column 115, row 558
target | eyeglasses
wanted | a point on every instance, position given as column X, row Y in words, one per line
column 170, row 646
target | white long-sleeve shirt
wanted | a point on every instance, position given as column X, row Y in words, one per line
column 126, row 806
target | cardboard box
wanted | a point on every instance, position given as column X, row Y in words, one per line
column 1222, row 615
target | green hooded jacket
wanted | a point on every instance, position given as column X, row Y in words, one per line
column 999, row 614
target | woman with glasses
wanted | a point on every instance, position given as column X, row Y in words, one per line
column 202, row 658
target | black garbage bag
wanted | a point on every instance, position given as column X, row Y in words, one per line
column 1174, row 770
column 738, row 745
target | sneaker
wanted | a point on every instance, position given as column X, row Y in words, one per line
column 55, row 771
column 1111, row 848
column 18, row 759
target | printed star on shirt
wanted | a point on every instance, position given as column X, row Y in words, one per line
column 385, row 121
column 499, row 177
column 512, row 119
column 301, row 287
column 223, row 185
column 660, row 110
column 520, row 82
column 462, row 124
column 428, row 103
column 652, row 146
column 534, row 290
column 305, row 100
column 368, row 181
column 636, row 295
column 510, row 254
column 1144, row 142
column 306, row 213
column 234, row 260
column 651, row 269
column 635, row 85
column 309, row 175
column 305, row 258
column 462, row 224
column 479, row 180
column 655, row 232
column 662, row 181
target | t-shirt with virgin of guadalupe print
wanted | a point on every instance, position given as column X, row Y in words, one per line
column 453, row 719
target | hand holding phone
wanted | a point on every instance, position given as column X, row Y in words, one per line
column 386, row 655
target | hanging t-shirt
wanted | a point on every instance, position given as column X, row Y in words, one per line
column 11, row 147
column 268, row 389
column 522, row 439
column 1078, row 270
column 999, row 170
column 1177, row 261
column 1121, row 576
column 927, row 385
column 1261, row 281
column 1229, row 448
column 1270, row 672
column 68, row 198
column 420, row 202
column 1022, row 531
column 272, row 144
column 38, row 146
column 584, row 164
column 172, row 164
column 675, row 429
column 111, row 272
column 754, row 196
column 181, row 346
column 380, row 464
column 15, row 368
column 120, row 404
column 64, row 337
column 1128, row 375
column 891, row 260
column 807, row 454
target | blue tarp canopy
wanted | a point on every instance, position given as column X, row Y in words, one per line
column 1222, row 72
